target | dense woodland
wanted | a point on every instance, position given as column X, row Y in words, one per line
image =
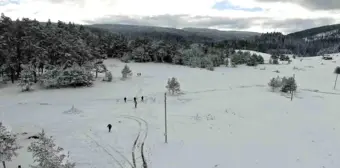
column 64, row 54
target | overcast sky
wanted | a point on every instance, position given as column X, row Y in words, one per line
column 250, row 15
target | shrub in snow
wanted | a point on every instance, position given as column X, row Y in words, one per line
column 275, row 83
column 173, row 86
column 126, row 72
column 47, row 155
column 26, row 78
column 288, row 85
column 8, row 145
column 108, row 76
column 337, row 72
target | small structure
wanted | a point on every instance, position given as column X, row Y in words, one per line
column 327, row 57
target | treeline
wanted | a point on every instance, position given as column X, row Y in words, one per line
column 64, row 54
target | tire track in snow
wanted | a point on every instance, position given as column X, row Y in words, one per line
column 140, row 139
column 110, row 154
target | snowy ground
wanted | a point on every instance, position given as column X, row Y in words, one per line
column 227, row 118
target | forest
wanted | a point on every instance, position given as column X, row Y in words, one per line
column 64, row 54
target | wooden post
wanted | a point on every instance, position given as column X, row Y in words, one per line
column 165, row 122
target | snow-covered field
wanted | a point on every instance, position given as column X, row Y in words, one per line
column 227, row 118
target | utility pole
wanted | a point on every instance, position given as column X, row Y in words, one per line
column 165, row 122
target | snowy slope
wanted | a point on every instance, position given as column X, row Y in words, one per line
column 225, row 118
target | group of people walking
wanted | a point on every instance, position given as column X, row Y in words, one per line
column 135, row 100
column 125, row 99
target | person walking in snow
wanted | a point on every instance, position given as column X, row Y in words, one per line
column 125, row 99
column 142, row 98
column 109, row 126
column 135, row 100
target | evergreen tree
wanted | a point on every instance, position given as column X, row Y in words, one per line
column 108, row 76
column 26, row 78
column 173, row 86
column 126, row 72
column 8, row 145
column 226, row 62
column 47, row 154
column 289, row 85
column 275, row 83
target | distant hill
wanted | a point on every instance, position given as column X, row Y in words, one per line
column 222, row 35
column 322, row 32
column 195, row 34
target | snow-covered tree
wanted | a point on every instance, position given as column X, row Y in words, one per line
column 47, row 154
column 173, row 85
column 26, row 78
column 8, row 145
column 108, row 76
column 289, row 85
column 275, row 83
column 126, row 72
column 226, row 62
column 337, row 72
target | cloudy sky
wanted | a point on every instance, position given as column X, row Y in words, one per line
column 248, row 15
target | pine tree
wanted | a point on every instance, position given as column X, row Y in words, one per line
column 275, row 83
column 289, row 85
column 126, row 71
column 226, row 62
column 26, row 78
column 173, row 86
column 47, row 155
column 8, row 145
column 108, row 76
column 337, row 72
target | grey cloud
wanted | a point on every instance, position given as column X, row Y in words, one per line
column 312, row 4
column 180, row 21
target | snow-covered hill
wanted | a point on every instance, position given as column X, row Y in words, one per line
column 225, row 118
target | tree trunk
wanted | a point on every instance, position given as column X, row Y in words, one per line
column 335, row 81
column 4, row 164
column 12, row 75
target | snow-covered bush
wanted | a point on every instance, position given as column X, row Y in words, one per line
column 126, row 72
column 65, row 77
column 8, row 145
column 26, row 78
column 108, row 76
column 47, row 155
column 173, row 86
column 288, row 85
column 275, row 83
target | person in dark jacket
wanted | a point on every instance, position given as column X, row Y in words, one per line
column 125, row 99
column 142, row 98
column 109, row 126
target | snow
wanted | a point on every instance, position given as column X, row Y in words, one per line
column 224, row 118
